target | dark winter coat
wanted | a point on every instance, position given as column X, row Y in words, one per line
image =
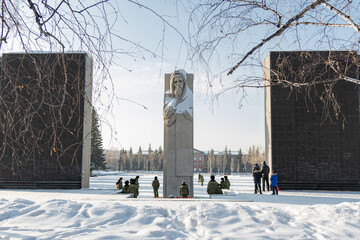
column 223, row 185
column 119, row 184
column 184, row 190
column 265, row 170
column 227, row 184
column 254, row 169
column 134, row 188
column 213, row 187
column 126, row 189
column 202, row 179
column 257, row 176
column 155, row 184
column 274, row 180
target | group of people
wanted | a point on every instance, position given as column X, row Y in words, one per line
column 133, row 187
column 212, row 188
column 215, row 188
column 263, row 174
column 129, row 187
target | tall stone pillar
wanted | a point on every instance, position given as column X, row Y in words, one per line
column 178, row 133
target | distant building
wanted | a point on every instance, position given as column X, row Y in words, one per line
column 201, row 164
column 198, row 160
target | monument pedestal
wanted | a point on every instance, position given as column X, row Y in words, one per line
column 178, row 157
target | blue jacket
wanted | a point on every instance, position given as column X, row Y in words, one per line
column 274, row 180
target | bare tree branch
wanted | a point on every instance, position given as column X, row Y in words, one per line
column 277, row 33
column 263, row 6
column 322, row 24
column 343, row 15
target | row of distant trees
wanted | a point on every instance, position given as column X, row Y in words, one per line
column 228, row 161
column 153, row 160
column 128, row 160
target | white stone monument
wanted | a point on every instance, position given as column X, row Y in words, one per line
column 178, row 133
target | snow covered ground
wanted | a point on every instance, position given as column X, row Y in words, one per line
column 99, row 213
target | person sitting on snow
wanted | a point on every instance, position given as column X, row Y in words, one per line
column 227, row 183
column 134, row 188
column 222, row 184
column 126, row 188
column 213, row 186
column 119, row 184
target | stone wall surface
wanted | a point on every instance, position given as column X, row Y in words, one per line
column 45, row 120
column 308, row 150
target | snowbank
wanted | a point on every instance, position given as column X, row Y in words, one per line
column 99, row 213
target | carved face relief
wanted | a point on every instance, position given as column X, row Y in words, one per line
column 179, row 85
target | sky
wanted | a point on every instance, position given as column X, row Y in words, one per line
column 136, row 120
column 152, row 40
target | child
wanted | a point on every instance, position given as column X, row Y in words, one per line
column 274, row 183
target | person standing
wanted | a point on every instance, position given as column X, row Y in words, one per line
column 265, row 176
column 202, row 180
column 155, row 184
column 274, row 183
column 257, row 179
column 253, row 171
column 184, row 190
column 227, row 182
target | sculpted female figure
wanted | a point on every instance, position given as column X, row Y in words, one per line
column 178, row 99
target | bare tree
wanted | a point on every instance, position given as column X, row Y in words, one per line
column 221, row 26
column 59, row 26
column 238, row 34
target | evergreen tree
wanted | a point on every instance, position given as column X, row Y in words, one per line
column 140, row 160
column 227, row 162
column 239, row 159
column 97, row 161
column 155, row 164
column 150, row 160
column 131, row 160
column 160, row 150
column 121, row 160
column 161, row 159
column 127, row 165
column 161, row 165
